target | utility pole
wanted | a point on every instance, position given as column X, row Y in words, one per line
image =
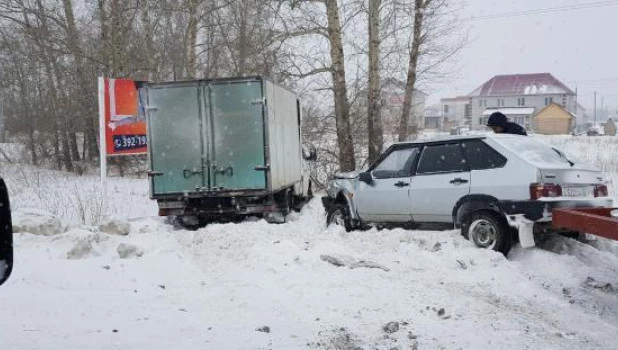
column 595, row 107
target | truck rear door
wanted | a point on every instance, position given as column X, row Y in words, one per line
column 176, row 138
column 237, row 150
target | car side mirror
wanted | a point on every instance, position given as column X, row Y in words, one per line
column 366, row 177
column 6, row 234
column 309, row 152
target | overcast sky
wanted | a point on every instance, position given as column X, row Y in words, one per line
column 578, row 46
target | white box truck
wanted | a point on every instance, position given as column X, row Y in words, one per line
column 223, row 149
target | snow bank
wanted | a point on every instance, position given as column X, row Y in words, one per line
column 76, row 200
column 224, row 285
column 37, row 222
column 115, row 227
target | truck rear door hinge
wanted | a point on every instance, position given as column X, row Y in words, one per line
column 263, row 167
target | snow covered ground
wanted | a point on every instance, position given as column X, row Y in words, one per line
column 259, row 286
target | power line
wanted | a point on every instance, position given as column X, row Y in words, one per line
column 545, row 10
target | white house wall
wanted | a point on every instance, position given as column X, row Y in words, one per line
column 536, row 101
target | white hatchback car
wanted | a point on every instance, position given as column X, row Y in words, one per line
column 497, row 188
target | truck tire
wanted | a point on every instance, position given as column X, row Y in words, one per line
column 189, row 222
column 339, row 214
column 285, row 202
column 488, row 230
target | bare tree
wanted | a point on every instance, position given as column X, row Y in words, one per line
column 374, row 119
column 51, row 52
column 420, row 6
column 431, row 23
column 332, row 31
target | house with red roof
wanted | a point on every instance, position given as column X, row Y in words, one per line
column 519, row 97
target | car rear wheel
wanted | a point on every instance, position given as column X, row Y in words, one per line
column 488, row 230
column 339, row 215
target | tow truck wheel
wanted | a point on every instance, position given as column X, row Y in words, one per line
column 488, row 230
column 339, row 215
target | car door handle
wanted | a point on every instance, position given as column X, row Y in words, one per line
column 458, row 181
column 401, row 184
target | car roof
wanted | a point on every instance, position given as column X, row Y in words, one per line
column 478, row 136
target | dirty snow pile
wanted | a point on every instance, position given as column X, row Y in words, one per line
column 142, row 283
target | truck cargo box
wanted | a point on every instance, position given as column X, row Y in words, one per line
column 223, row 138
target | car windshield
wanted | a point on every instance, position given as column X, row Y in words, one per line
column 535, row 151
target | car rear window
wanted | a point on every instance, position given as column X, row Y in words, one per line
column 534, row 151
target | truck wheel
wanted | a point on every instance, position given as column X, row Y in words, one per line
column 286, row 203
column 339, row 215
column 189, row 222
column 488, row 230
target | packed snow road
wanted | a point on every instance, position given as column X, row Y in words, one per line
column 301, row 285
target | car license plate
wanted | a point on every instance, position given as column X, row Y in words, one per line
column 576, row 191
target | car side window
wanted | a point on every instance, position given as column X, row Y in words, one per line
column 444, row 158
column 480, row 156
column 398, row 163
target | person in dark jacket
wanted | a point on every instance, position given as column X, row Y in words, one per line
column 500, row 125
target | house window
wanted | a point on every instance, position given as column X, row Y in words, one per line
column 521, row 102
column 480, row 103
column 500, row 102
column 445, row 109
column 548, row 100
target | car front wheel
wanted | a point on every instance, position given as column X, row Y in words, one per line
column 339, row 215
column 488, row 230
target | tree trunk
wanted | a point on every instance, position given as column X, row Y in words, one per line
column 105, row 37
column 347, row 161
column 74, row 45
column 115, row 30
column 145, row 18
column 58, row 93
column 32, row 146
column 417, row 38
column 57, row 154
column 25, row 107
column 374, row 118
column 192, row 40
column 74, row 148
column 66, row 151
column 242, row 39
